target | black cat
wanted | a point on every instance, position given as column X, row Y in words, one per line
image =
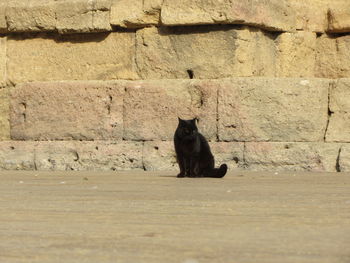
column 193, row 152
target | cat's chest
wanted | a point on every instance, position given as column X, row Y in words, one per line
column 190, row 145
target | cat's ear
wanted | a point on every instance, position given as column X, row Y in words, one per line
column 181, row 121
column 194, row 121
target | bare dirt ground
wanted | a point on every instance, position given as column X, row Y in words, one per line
column 155, row 217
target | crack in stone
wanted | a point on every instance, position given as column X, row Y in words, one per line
column 109, row 104
column 329, row 113
column 337, row 165
column 24, row 115
column 244, row 164
column 35, row 159
column 77, row 157
column 143, row 155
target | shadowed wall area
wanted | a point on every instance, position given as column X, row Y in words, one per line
column 99, row 84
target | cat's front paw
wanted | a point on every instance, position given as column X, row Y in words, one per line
column 180, row 175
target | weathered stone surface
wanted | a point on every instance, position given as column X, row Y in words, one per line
column 3, row 61
column 137, row 14
column 296, row 54
column 152, row 108
column 283, row 156
column 31, row 15
column 67, row 110
column 311, row 15
column 79, row 16
column 3, row 23
column 16, row 155
column 188, row 52
column 160, row 155
column 4, row 114
column 83, row 16
column 71, row 57
column 339, row 106
column 58, row 155
column 230, row 153
column 270, row 15
column 333, row 57
column 344, row 158
column 97, row 155
column 268, row 109
column 339, row 17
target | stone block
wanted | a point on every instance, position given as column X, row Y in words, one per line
column 152, row 108
column 296, row 54
column 58, row 155
column 284, row 156
column 160, row 155
column 333, row 57
column 272, row 109
column 231, row 153
column 276, row 15
column 137, row 14
column 4, row 114
column 67, row 110
column 187, row 52
column 3, row 23
column 83, row 16
column 17, row 155
column 100, row 56
column 3, row 61
column 344, row 158
column 339, row 17
column 339, row 106
column 96, row 155
column 311, row 16
column 31, row 15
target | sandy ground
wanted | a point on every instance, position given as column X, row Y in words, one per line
column 156, row 217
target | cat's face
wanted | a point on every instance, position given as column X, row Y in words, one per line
column 187, row 127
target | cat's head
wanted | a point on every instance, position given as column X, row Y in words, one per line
column 187, row 127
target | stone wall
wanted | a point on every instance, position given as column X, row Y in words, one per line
column 99, row 84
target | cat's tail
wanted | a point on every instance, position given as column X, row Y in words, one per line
column 218, row 172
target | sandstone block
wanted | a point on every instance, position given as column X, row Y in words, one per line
column 67, row 110
column 31, row 15
column 311, row 16
column 270, row 109
column 333, row 57
column 152, row 108
column 4, row 114
column 187, row 52
column 3, row 23
column 231, row 153
column 344, row 158
column 71, row 57
column 271, row 15
column 339, row 17
column 15, row 155
column 57, row 155
column 97, row 155
column 83, row 16
column 160, row 155
column 3, row 61
column 296, row 54
column 282, row 156
column 138, row 14
column 339, row 106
